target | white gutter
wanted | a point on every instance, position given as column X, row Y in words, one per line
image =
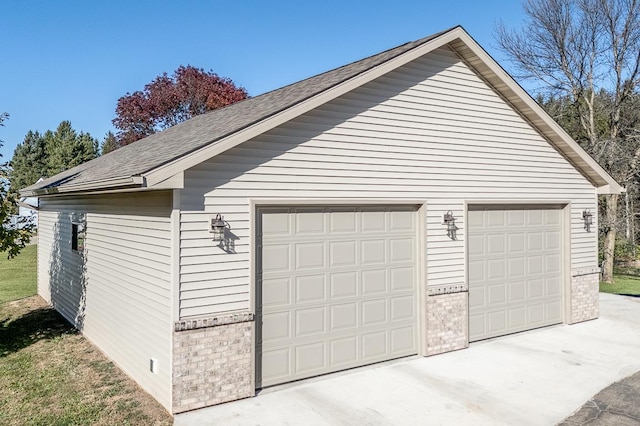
column 88, row 186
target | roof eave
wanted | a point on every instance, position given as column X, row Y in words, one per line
column 121, row 182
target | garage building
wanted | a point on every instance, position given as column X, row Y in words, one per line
column 407, row 203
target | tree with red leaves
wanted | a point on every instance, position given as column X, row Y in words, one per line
column 169, row 100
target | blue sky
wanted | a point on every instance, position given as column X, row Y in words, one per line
column 72, row 60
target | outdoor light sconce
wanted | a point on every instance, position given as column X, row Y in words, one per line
column 217, row 226
column 587, row 216
column 450, row 221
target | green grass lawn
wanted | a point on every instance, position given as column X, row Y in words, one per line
column 623, row 284
column 18, row 275
column 49, row 373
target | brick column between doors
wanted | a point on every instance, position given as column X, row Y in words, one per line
column 447, row 327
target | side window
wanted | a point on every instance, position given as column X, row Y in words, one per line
column 78, row 233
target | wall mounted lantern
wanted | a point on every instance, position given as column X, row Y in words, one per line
column 218, row 226
column 450, row 221
column 587, row 217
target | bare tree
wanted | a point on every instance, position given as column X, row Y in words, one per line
column 576, row 49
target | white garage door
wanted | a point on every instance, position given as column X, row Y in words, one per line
column 336, row 289
column 515, row 269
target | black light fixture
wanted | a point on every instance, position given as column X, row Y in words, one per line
column 217, row 226
column 587, row 217
column 450, row 221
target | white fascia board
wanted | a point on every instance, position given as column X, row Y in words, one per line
column 601, row 179
column 196, row 157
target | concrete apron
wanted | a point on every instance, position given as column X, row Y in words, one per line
column 533, row 378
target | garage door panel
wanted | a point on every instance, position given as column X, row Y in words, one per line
column 553, row 286
column 374, row 312
column 476, row 245
column 497, row 322
column 373, row 251
column 275, row 258
column 401, row 250
column 276, row 292
column 516, row 291
column 402, row 279
column 309, row 321
column 276, row 224
column 535, row 217
column 536, row 314
column 552, row 263
column 310, row 358
column 373, row 221
column 374, row 282
column 310, row 288
column 344, row 285
column 553, row 311
column 496, row 269
column 402, row 308
column 516, row 242
column 477, row 324
column 343, row 253
column 343, row 316
column 343, row 222
column 476, row 271
column 343, row 352
column 276, row 363
column 535, row 265
column 496, row 245
column 309, row 256
column 345, row 297
column 402, row 220
column 553, row 217
column 517, row 318
column 276, row 326
column 374, row 346
column 520, row 288
column 495, row 219
column 535, row 288
column 402, row 340
column 497, row 293
column 516, row 267
column 552, row 240
column 309, row 222
column 515, row 217
column 535, row 241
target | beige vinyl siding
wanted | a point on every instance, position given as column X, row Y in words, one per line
column 431, row 131
column 121, row 301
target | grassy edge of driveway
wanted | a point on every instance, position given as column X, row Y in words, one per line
column 627, row 285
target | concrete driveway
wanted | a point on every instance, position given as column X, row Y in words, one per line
column 534, row 378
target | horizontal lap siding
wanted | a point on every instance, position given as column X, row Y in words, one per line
column 431, row 131
column 126, row 284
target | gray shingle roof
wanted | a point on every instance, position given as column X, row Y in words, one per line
column 163, row 147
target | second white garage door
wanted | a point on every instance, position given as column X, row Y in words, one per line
column 336, row 289
column 515, row 269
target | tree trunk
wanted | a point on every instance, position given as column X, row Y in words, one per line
column 609, row 225
column 627, row 217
